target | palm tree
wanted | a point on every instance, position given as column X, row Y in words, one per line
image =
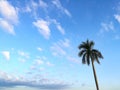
column 89, row 54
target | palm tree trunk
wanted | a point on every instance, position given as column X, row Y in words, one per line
column 95, row 77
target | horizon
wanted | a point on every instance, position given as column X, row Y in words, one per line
column 39, row 42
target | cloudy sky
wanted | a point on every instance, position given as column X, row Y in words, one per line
column 39, row 44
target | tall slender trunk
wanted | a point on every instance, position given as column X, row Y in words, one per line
column 95, row 77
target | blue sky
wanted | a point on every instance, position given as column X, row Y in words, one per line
column 39, row 44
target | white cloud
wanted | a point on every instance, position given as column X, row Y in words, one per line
column 27, row 9
column 34, row 4
column 59, row 27
column 75, row 60
column 33, row 68
column 9, row 16
column 65, row 42
column 58, row 48
column 43, row 4
column 117, row 17
column 41, row 57
column 6, row 54
column 39, row 49
column 23, row 54
column 7, row 27
column 8, row 11
column 67, row 12
column 43, row 27
column 49, row 64
column 107, row 27
column 39, row 62
column 59, row 6
column 31, row 7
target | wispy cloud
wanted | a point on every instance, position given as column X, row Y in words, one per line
column 33, row 67
column 22, row 60
column 58, row 48
column 43, row 27
column 34, row 6
column 31, row 8
column 39, row 62
column 9, row 16
column 23, row 54
column 27, row 9
column 58, row 4
column 58, row 25
column 7, row 27
column 6, row 54
column 43, row 4
column 39, row 49
column 117, row 12
column 64, row 43
column 117, row 17
column 106, row 27
column 73, row 59
column 49, row 64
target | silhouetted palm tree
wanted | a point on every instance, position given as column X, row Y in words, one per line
column 89, row 54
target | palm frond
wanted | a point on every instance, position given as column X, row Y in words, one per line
column 96, row 58
column 98, row 53
column 82, row 46
column 81, row 52
column 88, row 58
column 91, row 44
column 84, row 59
